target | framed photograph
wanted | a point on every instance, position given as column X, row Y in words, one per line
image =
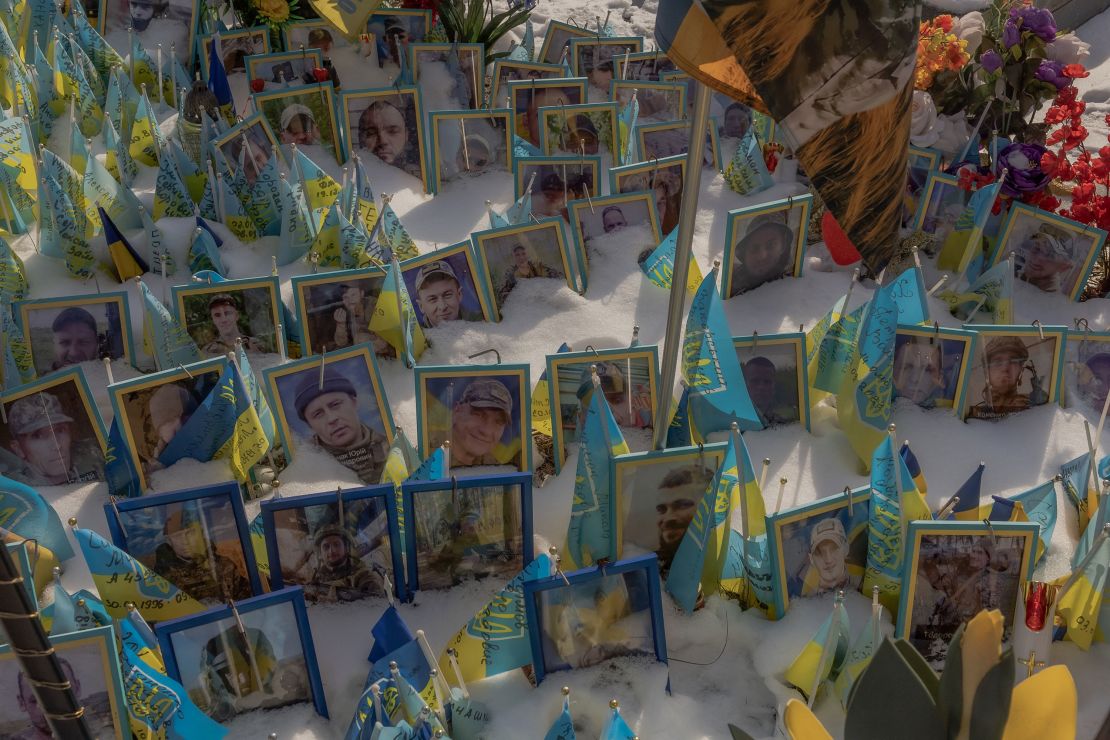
column 395, row 29
column 53, row 435
column 922, row 162
column 90, row 661
column 258, row 655
column 509, row 70
column 484, row 411
column 466, row 529
column 526, row 97
column 642, row 65
column 595, row 614
column 765, row 242
column 1088, row 369
column 655, row 495
column 334, row 403
column 670, row 138
column 171, row 23
column 218, row 314
column 553, row 181
column 940, row 205
column 586, row 130
column 774, row 370
column 734, row 119
column 614, row 214
column 247, row 146
column 234, row 48
column 348, row 57
column 514, row 253
column 151, row 409
column 556, row 40
column 662, row 178
column 196, row 539
column 931, row 364
column 73, row 329
column 338, row 546
column 334, row 310
column 592, row 57
column 281, row 70
column 304, row 116
column 659, row 101
column 952, row 571
column 1014, row 368
column 818, row 547
column 444, row 286
column 629, row 379
column 468, row 144
column 1051, row 252
column 455, row 72
column 387, row 122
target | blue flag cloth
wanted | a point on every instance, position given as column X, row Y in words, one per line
column 163, row 338
column 591, row 535
column 718, row 395
column 217, row 78
column 412, row 665
column 913, row 466
column 626, row 125
column 524, row 148
column 257, row 396
column 747, row 172
column 390, row 632
column 563, row 726
column 679, row 432
column 63, row 616
column 908, row 293
column 123, row 479
column 616, row 728
column 969, row 494
column 204, row 254
column 24, row 512
column 433, row 468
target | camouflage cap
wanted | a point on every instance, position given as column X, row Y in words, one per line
column 38, row 411
column 331, row 530
column 1007, row 344
column 432, row 268
column 487, row 393
column 222, row 299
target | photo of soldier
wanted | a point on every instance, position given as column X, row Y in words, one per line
column 388, row 126
column 1010, row 374
column 1052, row 258
column 395, row 32
column 1090, row 373
column 444, row 290
column 338, row 314
column 528, row 97
column 166, row 22
column 466, row 534
column 480, row 416
column 625, row 382
column 764, row 249
column 78, row 330
column 823, row 551
column 50, row 438
column 216, row 321
column 661, row 178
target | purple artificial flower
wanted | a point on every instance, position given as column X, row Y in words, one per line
column 1011, row 36
column 1022, row 163
column 1038, row 21
column 991, row 61
column 1052, row 73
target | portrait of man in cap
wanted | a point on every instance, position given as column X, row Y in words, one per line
column 1005, row 386
column 438, row 296
column 1048, row 259
column 828, row 557
column 298, row 126
column 481, row 423
column 329, row 405
column 764, row 253
column 523, row 264
column 224, row 314
column 339, row 575
column 46, row 445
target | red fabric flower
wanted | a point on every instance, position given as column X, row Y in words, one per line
column 944, row 22
column 1083, row 193
column 1075, row 71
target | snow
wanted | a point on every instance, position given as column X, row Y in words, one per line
column 725, row 664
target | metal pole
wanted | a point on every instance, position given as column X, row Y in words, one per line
column 691, row 187
column 43, row 672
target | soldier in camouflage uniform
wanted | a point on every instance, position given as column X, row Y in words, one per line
column 339, row 574
column 189, row 562
column 45, row 451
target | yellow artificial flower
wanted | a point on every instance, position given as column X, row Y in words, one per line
column 274, row 11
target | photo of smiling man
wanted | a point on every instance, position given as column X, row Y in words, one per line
column 480, row 416
column 443, row 290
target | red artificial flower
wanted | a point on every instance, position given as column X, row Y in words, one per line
column 1100, row 168
column 1104, row 153
column 1083, row 193
column 1075, row 71
column 1055, row 114
column 943, row 22
column 1082, row 213
column 1067, row 95
column 1049, row 163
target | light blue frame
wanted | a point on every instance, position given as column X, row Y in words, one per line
column 798, row 339
column 23, row 308
column 804, row 202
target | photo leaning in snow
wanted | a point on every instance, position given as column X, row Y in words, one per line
column 736, row 658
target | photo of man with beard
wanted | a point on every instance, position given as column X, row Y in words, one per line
column 388, row 126
column 676, row 499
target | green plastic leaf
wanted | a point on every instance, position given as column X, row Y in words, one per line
column 929, row 678
column 991, row 707
column 890, row 694
column 951, row 694
column 738, row 734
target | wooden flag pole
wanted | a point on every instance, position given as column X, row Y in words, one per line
column 691, row 186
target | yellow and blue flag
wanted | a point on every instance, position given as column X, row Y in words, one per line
column 659, row 265
column 203, row 253
column 412, row 684
column 563, row 726
column 102, row 190
column 118, row 159
column 864, row 401
column 909, row 295
column 320, row 189
column 895, row 502
column 831, row 345
column 13, row 276
column 146, row 138
column 1038, row 505
column 1100, row 517
column 860, row 651
column 525, row 51
column 163, row 338
column 626, row 124
column 616, row 728
column 72, row 185
column 127, row 261
column 1076, row 479
column 914, row 467
column 962, row 242
column 234, row 215
column 257, row 396
column 18, row 367
column 328, row 237
column 1082, row 600
column 747, row 172
column 120, row 578
column 391, row 234
column 354, row 244
column 823, row 656
column 346, row 16
column 989, row 299
column 399, row 463
column 680, row 430
column 224, row 427
column 257, row 531
column 25, row 512
column 496, row 639
column 591, row 534
column 217, row 79
column 718, row 394
column 967, row 509
column 171, row 195
column 123, row 478
column 541, row 401
column 362, row 208
column 394, row 318
column 295, row 236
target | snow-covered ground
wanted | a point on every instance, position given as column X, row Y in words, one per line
column 725, row 665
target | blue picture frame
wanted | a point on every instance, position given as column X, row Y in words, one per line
column 607, row 110
column 499, row 88
column 292, row 595
column 993, row 531
column 229, row 491
column 104, row 640
column 385, row 492
column 411, row 490
column 646, row 564
column 635, row 44
column 436, row 180
column 786, row 587
column 576, row 209
column 348, row 125
column 794, row 339
column 23, row 310
column 784, row 209
column 461, row 258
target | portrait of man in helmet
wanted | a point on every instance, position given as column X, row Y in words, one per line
column 1012, row 373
